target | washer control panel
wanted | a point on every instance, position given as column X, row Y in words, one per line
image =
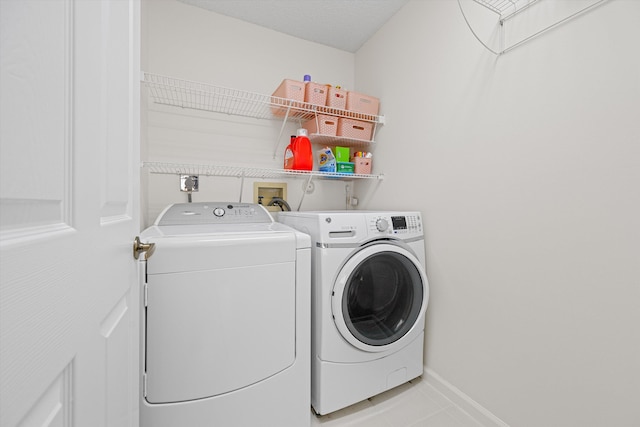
column 214, row 213
column 394, row 224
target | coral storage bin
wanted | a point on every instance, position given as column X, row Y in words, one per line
column 289, row 89
column 324, row 125
column 362, row 165
column 336, row 98
column 362, row 103
column 315, row 93
column 355, row 129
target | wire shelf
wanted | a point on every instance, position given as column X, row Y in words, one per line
column 507, row 9
column 333, row 140
column 202, row 96
column 504, row 7
column 497, row 6
column 245, row 172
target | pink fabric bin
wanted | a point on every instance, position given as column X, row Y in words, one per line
column 336, row 98
column 362, row 103
column 325, row 125
column 289, row 89
column 315, row 93
column 362, row 165
column 355, row 129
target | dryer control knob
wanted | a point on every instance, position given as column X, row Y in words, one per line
column 382, row 224
column 218, row 212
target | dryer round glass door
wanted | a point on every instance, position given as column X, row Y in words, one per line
column 380, row 297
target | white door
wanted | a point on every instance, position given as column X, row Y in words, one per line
column 69, row 197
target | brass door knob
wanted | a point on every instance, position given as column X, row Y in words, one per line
column 139, row 247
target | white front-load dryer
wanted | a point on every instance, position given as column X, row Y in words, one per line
column 226, row 319
column 369, row 297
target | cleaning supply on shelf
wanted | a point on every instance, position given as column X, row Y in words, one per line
column 326, row 160
column 298, row 154
column 343, row 165
column 342, row 154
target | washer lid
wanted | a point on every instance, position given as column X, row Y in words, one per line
column 214, row 213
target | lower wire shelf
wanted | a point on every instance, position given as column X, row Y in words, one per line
column 247, row 172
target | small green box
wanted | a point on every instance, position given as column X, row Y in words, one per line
column 345, row 167
column 342, row 154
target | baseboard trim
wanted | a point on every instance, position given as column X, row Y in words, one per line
column 466, row 403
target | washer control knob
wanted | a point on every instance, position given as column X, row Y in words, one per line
column 218, row 212
column 382, row 224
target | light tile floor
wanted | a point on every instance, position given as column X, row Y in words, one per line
column 415, row 404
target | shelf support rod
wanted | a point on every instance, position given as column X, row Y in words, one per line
column 304, row 193
column 241, row 186
column 284, row 122
column 501, row 36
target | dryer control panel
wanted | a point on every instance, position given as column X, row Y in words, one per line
column 214, row 213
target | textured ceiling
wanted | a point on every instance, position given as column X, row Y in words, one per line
column 342, row 24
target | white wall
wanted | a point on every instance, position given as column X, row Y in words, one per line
column 194, row 44
column 527, row 169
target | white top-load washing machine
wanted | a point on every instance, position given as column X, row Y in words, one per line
column 368, row 302
column 225, row 328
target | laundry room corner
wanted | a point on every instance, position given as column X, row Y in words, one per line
column 525, row 167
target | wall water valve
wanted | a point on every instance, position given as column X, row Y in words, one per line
column 189, row 184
